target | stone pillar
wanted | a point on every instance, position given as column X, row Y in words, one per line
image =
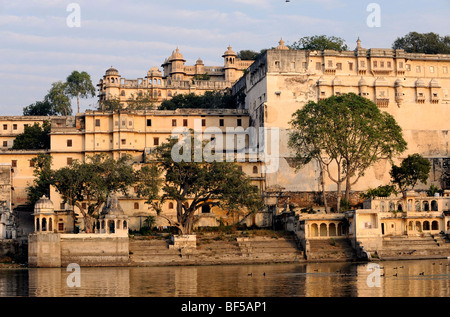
column 44, row 250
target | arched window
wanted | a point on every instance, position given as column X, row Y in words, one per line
column 255, row 169
column 171, row 205
column 323, row 230
column 314, row 230
column 435, row 225
column 410, row 226
column 418, row 226
column 125, row 224
column 426, row 225
column 50, row 224
column 38, row 228
column 332, row 230
column 426, row 206
column 44, row 224
column 434, row 205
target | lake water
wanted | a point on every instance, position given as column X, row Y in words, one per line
column 419, row 278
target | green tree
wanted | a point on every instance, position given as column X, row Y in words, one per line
column 79, row 85
column 319, row 43
column 35, row 137
column 380, row 191
column 209, row 100
column 193, row 185
column 92, row 181
column 58, row 99
column 39, row 108
column 348, row 133
column 413, row 169
column 43, row 178
column 427, row 43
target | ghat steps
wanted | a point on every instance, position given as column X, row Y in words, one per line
column 331, row 250
column 414, row 247
column 215, row 250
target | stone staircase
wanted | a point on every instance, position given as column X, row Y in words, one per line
column 331, row 250
column 211, row 250
column 273, row 250
column 415, row 247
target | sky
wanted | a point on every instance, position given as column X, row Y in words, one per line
column 43, row 41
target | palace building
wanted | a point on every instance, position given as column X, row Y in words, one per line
column 175, row 78
column 414, row 88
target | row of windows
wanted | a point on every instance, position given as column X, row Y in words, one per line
column 14, row 126
column 174, row 122
column 381, row 64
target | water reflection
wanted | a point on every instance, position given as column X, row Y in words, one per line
column 401, row 278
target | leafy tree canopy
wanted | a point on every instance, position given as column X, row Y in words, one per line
column 194, row 185
column 319, row 43
column 35, row 137
column 413, row 169
column 43, row 178
column 209, row 100
column 348, row 132
column 427, row 43
column 79, row 85
column 91, row 181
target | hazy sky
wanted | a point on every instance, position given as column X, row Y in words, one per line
column 37, row 47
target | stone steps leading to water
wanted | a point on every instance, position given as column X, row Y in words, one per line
column 216, row 250
column 414, row 247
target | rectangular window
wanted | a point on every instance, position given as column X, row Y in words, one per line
column 5, row 127
column 350, row 66
column 69, row 143
column 136, row 205
column 69, row 161
column 389, row 64
column 185, row 122
column 124, row 141
column 203, row 122
column 363, row 64
column 339, row 66
column 239, row 122
column 61, row 226
column 149, row 122
column 174, row 122
column 5, row 143
column 155, row 141
column 408, row 67
column 375, row 64
column 14, row 126
column 14, row 163
column 221, row 122
column 418, row 69
column 330, row 63
column 62, row 206
column 318, row 66
column 431, row 69
column 97, row 122
column 31, row 163
column 382, row 64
